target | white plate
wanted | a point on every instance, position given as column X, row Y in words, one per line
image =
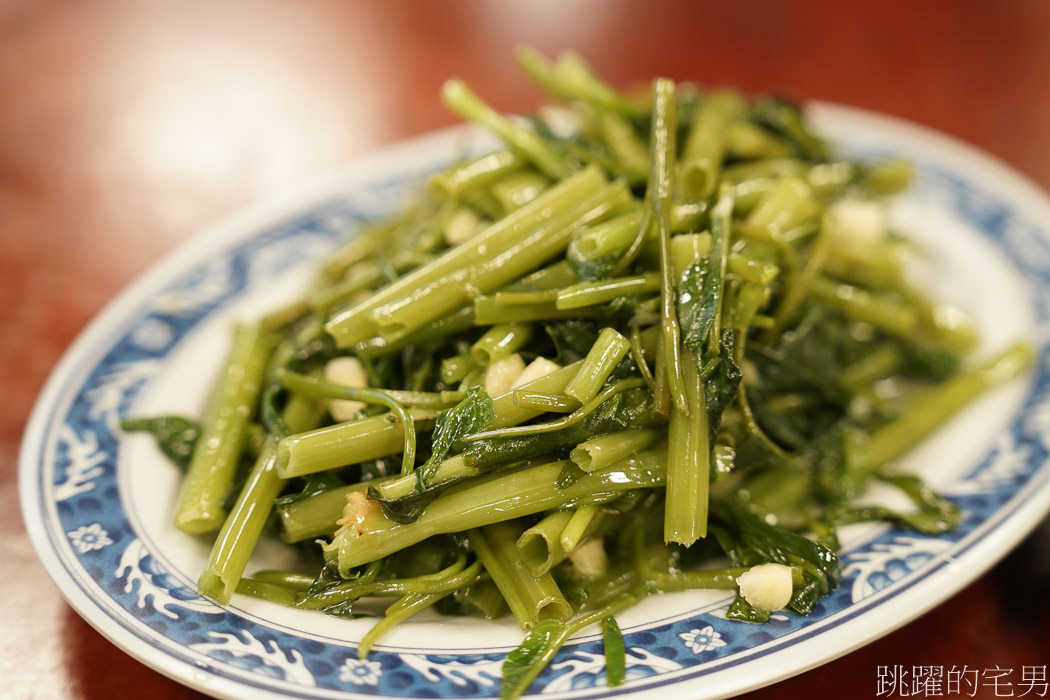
column 98, row 505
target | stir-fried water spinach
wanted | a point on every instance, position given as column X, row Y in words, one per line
column 663, row 341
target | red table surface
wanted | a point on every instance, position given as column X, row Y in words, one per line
column 127, row 127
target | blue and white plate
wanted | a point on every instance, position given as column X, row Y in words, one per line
column 98, row 505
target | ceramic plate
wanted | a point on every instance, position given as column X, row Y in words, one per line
column 98, row 505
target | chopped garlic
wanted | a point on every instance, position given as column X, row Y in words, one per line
column 358, row 509
column 501, row 375
column 540, row 367
column 589, row 560
column 462, row 226
column 563, row 123
column 346, row 371
column 766, row 586
column 856, row 220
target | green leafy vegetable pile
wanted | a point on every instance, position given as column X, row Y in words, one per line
column 662, row 341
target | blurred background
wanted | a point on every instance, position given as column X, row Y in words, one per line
column 128, row 127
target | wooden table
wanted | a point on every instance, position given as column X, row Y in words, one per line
column 127, row 127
